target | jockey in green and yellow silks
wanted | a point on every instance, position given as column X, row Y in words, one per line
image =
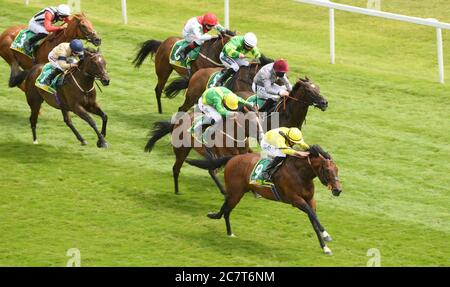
column 218, row 103
column 234, row 52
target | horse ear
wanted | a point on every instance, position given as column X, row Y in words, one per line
column 306, row 77
column 301, row 81
column 98, row 50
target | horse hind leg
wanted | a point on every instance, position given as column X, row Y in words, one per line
column 181, row 153
column 35, row 107
column 163, row 76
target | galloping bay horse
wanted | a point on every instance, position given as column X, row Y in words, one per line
column 77, row 95
column 209, row 57
column 79, row 27
column 224, row 145
column 293, row 184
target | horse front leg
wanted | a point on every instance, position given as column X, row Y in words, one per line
column 68, row 122
column 81, row 112
column 303, row 206
column 96, row 110
column 324, row 233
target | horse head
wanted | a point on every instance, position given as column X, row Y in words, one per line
column 94, row 65
column 325, row 168
column 308, row 92
column 80, row 27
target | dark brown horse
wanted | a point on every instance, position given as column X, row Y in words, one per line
column 77, row 95
column 224, row 143
column 78, row 28
column 291, row 110
column 240, row 83
column 209, row 57
column 293, row 182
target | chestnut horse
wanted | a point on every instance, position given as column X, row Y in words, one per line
column 223, row 144
column 79, row 27
column 77, row 95
column 293, row 184
column 209, row 57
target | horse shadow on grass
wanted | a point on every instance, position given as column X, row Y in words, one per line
column 21, row 152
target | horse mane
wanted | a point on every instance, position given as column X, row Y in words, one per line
column 265, row 60
column 90, row 50
column 316, row 150
column 78, row 16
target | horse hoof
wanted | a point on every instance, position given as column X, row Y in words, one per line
column 326, row 236
column 35, row 142
column 102, row 144
column 327, row 250
column 231, row 235
column 84, row 142
column 213, row 215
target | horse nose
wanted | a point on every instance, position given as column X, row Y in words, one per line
column 105, row 82
column 323, row 104
column 97, row 41
column 336, row 191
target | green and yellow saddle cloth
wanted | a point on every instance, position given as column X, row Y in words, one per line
column 21, row 39
column 175, row 58
column 256, row 177
column 40, row 80
column 215, row 77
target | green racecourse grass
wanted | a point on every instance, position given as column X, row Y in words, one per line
column 387, row 127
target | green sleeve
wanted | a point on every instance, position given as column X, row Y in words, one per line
column 256, row 53
column 230, row 48
column 217, row 104
column 220, row 28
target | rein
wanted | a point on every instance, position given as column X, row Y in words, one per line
column 210, row 60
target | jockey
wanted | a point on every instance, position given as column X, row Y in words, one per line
column 196, row 31
column 264, row 83
column 63, row 57
column 234, row 52
column 277, row 143
column 218, row 103
column 41, row 23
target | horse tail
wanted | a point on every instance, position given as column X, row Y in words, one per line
column 148, row 47
column 17, row 79
column 160, row 129
column 176, row 86
column 209, row 164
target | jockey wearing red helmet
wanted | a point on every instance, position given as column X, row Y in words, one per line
column 196, row 29
column 264, row 83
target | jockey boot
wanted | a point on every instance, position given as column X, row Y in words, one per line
column 48, row 81
column 33, row 40
column 185, row 51
column 207, row 134
column 271, row 168
column 228, row 73
column 269, row 103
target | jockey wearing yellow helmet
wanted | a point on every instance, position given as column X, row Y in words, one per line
column 218, row 103
column 277, row 143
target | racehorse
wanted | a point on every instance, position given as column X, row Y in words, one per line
column 240, row 83
column 291, row 109
column 208, row 57
column 293, row 184
column 77, row 95
column 79, row 27
column 224, row 144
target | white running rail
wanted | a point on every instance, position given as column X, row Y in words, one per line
column 415, row 20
